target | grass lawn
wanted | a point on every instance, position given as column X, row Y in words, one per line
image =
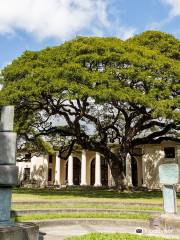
column 115, row 236
column 92, row 206
column 44, row 216
column 84, row 198
column 85, row 194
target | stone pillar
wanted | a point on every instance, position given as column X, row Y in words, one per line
column 45, row 164
column 178, row 154
column 57, row 170
column 144, row 158
column 128, row 170
column 83, row 169
column 178, row 162
column 8, row 170
column 109, row 176
column 160, row 156
column 7, row 118
column 8, row 178
column 98, row 170
column 70, row 170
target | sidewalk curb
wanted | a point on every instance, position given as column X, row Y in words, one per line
column 79, row 210
column 69, row 202
column 93, row 221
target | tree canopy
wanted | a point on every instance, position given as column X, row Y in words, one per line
column 93, row 91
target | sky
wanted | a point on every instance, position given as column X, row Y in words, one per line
column 37, row 24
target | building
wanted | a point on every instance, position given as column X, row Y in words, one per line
column 89, row 168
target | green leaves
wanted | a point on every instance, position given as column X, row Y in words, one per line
column 137, row 78
column 165, row 43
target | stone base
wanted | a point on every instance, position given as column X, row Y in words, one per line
column 166, row 222
column 19, row 231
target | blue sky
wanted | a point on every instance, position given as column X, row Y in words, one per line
column 36, row 24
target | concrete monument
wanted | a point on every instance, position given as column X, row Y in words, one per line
column 168, row 178
column 10, row 230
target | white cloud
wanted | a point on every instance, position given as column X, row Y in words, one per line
column 127, row 32
column 175, row 7
column 61, row 19
column 158, row 25
column 174, row 11
column 51, row 18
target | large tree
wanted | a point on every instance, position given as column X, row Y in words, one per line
column 95, row 91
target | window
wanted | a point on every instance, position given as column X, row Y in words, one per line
column 27, row 157
column 50, row 174
column 26, row 174
column 169, row 152
column 50, row 158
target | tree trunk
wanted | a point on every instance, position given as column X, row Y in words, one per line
column 118, row 171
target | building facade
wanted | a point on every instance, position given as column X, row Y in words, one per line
column 87, row 168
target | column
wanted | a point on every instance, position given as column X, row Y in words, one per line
column 128, row 171
column 83, row 169
column 109, row 176
column 57, row 170
column 144, row 173
column 178, row 160
column 46, row 165
column 158, row 158
column 8, row 169
column 70, row 170
column 178, row 154
column 98, row 170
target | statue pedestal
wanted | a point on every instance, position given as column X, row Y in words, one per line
column 19, row 231
column 166, row 222
column 8, row 178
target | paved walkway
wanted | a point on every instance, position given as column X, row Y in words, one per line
column 64, row 231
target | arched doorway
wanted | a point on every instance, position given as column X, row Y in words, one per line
column 134, row 171
column 104, row 172
column 76, row 171
column 93, row 172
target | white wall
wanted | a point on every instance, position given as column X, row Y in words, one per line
column 38, row 169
